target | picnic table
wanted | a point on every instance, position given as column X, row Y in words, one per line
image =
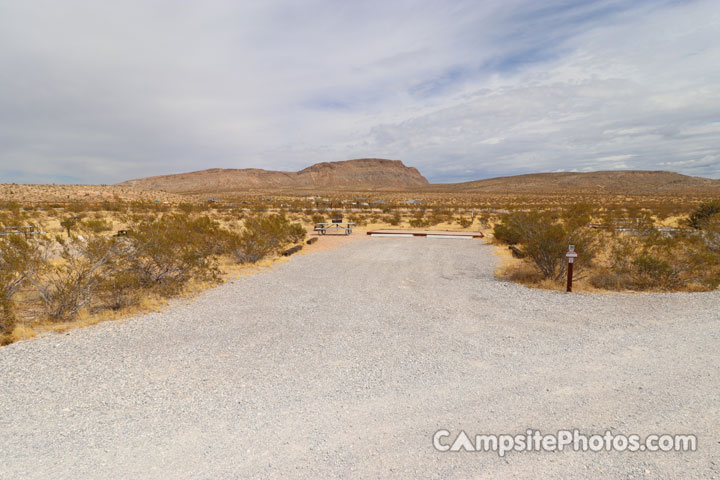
column 323, row 227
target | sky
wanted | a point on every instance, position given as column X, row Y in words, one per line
column 101, row 92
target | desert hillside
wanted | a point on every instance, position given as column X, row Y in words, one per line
column 361, row 174
column 373, row 174
column 81, row 193
column 637, row 182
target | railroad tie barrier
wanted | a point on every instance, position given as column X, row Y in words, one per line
column 292, row 250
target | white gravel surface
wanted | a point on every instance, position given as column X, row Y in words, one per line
column 344, row 363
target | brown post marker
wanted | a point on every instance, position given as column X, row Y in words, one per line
column 571, row 256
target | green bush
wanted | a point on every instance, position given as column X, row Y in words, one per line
column 546, row 244
column 507, row 232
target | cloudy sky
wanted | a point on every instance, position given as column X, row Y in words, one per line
column 97, row 91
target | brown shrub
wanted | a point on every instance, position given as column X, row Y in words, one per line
column 18, row 256
column 68, row 285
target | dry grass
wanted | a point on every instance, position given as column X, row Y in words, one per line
column 22, row 332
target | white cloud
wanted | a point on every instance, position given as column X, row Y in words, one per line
column 98, row 92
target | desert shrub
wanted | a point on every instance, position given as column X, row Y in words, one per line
column 418, row 220
column 17, row 257
column 438, row 217
column 623, row 250
column 67, row 285
column 251, row 247
column 394, row 219
column 296, row 233
column 702, row 215
column 114, row 206
column 484, row 220
column 207, row 233
column 186, row 207
column 77, row 207
column 169, row 250
column 69, row 224
column 121, row 290
column 359, row 220
column 545, row 239
column 650, row 272
column 507, row 231
column 317, row 218
column 13, row 215
column 464, row 222
column 577, row 215
column 264, row 236
column 711, row 235
column 610, row 281
column 545, row 244
column 662, row 262
column 95, row 225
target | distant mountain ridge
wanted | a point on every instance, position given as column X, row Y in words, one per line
column 376, row 174
column 359, row 174
column 637, row 182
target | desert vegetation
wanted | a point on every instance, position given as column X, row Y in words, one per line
column 627, row 250
column 56, row 269
column 66, row 262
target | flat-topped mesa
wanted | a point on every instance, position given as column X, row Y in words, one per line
column 378, row 172
column 360, row 174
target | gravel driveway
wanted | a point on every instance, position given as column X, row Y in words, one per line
column 344, row 363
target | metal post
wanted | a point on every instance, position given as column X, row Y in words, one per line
column 570, row 275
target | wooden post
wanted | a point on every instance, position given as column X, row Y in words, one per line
column 571, row 256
